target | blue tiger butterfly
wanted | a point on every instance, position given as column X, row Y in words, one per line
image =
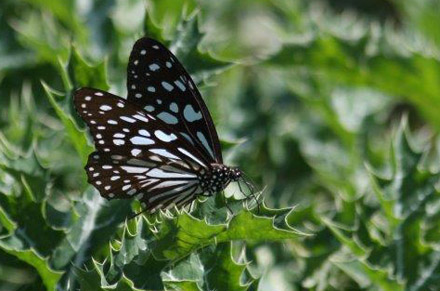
column 159, row 145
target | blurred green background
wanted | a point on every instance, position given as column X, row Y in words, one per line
column 333, row 107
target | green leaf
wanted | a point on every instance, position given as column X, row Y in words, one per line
column 200, row 64
column 85, row 75
column 98, row 220
column 391, row 69
column 390, row 237
column 32, row 228
column 183, row 234
column 166, row 15
column 29, row 168
column 223, row 273
column 211, row 268
column 366, row 276
column 76, row 137
column 182, row 285
column 50, row 277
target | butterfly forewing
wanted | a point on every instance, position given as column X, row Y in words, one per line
column 137, row 154
column 159, row 84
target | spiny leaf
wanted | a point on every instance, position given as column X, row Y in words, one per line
column 32, row 229
column 367, row 276
column 181, row 235
column 396, row 243
column 186, row 47
column 348, row 62
column 211, row 268
column 7, row 226
column 165, row 15
column 85, row 75
column 50, row 277
column 97, row 221
column 28, row 167
column 223, row 273
column 76, row 137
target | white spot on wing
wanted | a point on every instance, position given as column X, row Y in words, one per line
column 165, row 137
column 158, row 173
column 166, row 184
column 169, row 192
column 135, row 152
column 187, row 137
column 188, row 154
column 118, row 142
column 174, row 107
column 190, row 114
column 164, row 153
column 128, row 119
column 132, row 170
column 149, row 108
column 140, row 117
column 154, row 67
column 180, row 85
column 202, row 138
column 167, row 86
column 167, row 118
column 144, row 132
column 105, row 107
column 141, row 140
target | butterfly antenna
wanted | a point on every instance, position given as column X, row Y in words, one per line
column 252, row 189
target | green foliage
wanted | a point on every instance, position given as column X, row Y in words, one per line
column 331, row 108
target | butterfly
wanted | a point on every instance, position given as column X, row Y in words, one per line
column 159, row 145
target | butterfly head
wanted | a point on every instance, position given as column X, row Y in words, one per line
column 235, row 174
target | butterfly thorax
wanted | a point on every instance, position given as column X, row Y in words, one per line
column 217, row 177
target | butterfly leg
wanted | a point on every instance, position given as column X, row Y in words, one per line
column 227, row 205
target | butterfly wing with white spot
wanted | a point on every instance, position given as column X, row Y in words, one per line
column 157, row 82
column 137, row 154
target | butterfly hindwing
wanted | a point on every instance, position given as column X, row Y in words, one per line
column 137, row 154
column 159, row 84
